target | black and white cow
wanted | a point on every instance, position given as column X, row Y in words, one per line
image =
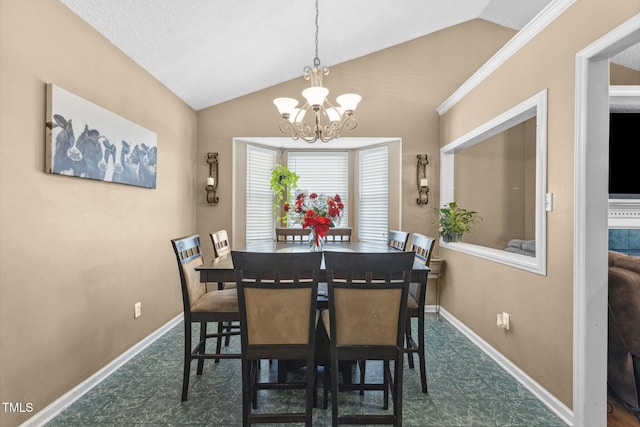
column 81, row 156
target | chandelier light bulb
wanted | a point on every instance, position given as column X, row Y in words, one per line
column 349, row 101
column 315, row 96
column 334, row 114
column 297, row 115
column 285, row 105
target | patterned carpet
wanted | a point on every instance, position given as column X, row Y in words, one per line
column 466, row 388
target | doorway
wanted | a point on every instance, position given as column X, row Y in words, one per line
column 590, row 222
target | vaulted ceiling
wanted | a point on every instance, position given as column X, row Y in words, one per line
column 210, row 51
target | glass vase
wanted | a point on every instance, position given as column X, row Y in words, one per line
column 452, row 237
column 316, row 242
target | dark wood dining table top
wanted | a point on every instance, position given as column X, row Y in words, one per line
column 221, row 269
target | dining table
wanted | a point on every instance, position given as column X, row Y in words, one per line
column 221, row 270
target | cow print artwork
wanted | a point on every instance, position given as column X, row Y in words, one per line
column 87, row 141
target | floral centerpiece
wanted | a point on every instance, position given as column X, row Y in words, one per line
column 318, row 212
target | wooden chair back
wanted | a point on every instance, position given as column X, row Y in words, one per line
column 189, row 255
column 342, row 234
column 398, row 239
column 422, row 246
column 292, row 235
column 221, row 245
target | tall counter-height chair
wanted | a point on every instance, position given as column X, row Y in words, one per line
column 201, row 307
column 221, row 247
column 278, row 294
column 366, row 321
column 397, row 239
column 220, row 241
column 422, row 247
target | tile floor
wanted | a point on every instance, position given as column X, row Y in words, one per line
column 466, row 388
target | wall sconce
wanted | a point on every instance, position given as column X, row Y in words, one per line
column 212, row 179
column 421, row 180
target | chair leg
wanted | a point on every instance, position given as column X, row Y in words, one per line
column 363, row 372
column 310, row 391
column 397, row 389
column 409, row 341
column 219, row 341
column 254, row 382
column 334, row 391
column 421, row 352
column 187, row 360
column 247, row 392
column 203, row 340
column 227, row 339
column 386, row 373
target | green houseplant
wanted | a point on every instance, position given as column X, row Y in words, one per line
column 283, row 180
column 454, row 221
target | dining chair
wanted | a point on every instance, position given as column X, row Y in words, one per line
column 422, row 247
column 277, row 295
column 200, row 307
column 398, row 239
column 339, row 234
column 292, row 235
column 366, row 320
column 221, row 245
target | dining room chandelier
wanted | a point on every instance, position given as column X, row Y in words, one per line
column 324, row 120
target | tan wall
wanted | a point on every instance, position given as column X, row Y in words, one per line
column 623, row 76
column 540, row 341
column 76, row 254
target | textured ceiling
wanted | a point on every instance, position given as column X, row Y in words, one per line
column 210, row 51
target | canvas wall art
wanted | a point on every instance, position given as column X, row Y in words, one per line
column 87, row 141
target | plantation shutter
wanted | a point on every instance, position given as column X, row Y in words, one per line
column 323, row 172
column 373, row 203
column 260, row 221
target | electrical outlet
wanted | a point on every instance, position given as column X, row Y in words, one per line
column 137, row 310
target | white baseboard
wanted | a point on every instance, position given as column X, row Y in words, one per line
column 560, row 409
column 56, row 407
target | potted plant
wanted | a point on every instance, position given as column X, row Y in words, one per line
column 454, row 221
column 283, row 180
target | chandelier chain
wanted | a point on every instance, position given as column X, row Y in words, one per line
column 316, row 60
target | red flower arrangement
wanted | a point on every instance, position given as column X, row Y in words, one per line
column 316, row 211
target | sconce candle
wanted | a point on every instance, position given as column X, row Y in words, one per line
column 421, row 180
column 212, row 187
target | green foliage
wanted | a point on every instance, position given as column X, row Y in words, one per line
column 283, row 180
column 454, row 219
